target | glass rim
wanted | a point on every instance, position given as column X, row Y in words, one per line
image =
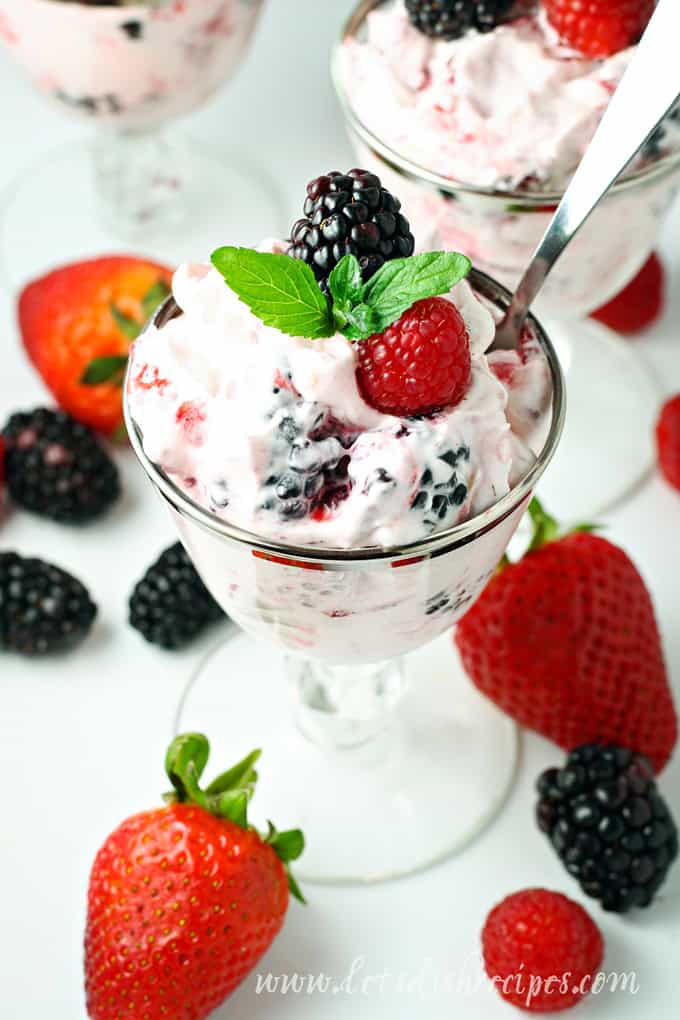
column 448, row 538
column 449, row 185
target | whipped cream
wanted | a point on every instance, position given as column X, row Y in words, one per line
column 271, row 432
column 507, row 109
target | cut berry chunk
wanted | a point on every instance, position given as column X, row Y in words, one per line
column 450, row 19
column 541, row 950
column 57, row 468
column 419, row 364
column 604, row 817
column 42, row 608
column 309, row 463
column 349, row 214
column 599, row 28
column 442, row 489
column 668, row 441
column 639, row 304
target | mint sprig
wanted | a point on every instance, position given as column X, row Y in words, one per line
column 283, row 292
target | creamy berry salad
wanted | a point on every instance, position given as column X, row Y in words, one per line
column 361, row 410
column 500, row 100
column 128, row 63
column 484, row 93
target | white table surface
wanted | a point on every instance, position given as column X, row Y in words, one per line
column 82, row 738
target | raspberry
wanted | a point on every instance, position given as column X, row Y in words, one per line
column 420, row 363
column 541, row 950
column 668, row 441
column 612, row 830
column 599, row 28
column 639, row 304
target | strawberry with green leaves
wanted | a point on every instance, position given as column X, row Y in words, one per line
column 77, row 324
column 566, row 642
column 185, row 899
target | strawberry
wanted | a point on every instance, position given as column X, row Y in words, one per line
column 668, row 441
column 566, row 642
column 77, row 324
column 599, row 28
column 639, row 304
column 185, row 899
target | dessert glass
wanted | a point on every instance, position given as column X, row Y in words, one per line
column 130, row 71
column 607, row 447
column 385, row 776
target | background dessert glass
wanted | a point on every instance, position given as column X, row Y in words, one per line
column 607, row 447
column 385, row 777
column 131, row 71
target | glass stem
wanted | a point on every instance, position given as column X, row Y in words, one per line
column 344, row 706
column 139, row 179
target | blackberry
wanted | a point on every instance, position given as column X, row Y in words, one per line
column 441, row 488
column 133, row 29
column 349, row 214
column 654, row 146
column 57, row 468
column 446, row 601
column 170, row 606
column 42, row 608
column 450, row 19
column 608, row 823
column 309, row 462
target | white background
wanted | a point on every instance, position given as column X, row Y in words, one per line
column 82, row 738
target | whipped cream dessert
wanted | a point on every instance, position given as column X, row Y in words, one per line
column 513, row 110
column 138, row 64
column 508, row 109
column 271, row 431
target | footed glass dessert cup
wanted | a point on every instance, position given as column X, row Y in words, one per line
column 607, row 447
column 378, row 746
column 130, row 71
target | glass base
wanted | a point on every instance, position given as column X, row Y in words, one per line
column 607, row 447
column 421, row 790
column 53, row 214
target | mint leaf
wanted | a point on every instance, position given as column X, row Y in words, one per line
column 154, row 296
column 280, row 290
column 360, row 321
column 345, row 283
column 102, row 370
column 128, row 327
column 400, row 283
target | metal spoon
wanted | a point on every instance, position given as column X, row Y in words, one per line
column 648, row 91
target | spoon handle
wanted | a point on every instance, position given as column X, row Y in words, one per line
column 647, row 92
